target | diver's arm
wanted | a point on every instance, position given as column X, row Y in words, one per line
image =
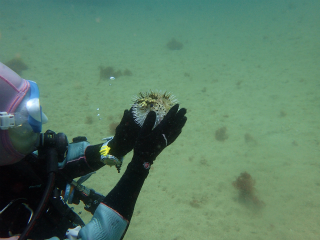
column 112, row 217
column 149, row 145
column 83, row 158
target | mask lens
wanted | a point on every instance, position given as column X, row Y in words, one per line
column 34, row 108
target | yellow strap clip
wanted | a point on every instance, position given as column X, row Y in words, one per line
column 105, row 150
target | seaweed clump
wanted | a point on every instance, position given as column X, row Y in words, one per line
column 245, row 184
column 174, row 45
column 110, row 72
column 127, row 72
column 221, row 134
column 17, row 65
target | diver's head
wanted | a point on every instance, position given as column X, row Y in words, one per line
column 21, row 116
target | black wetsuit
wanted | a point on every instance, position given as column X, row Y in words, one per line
column 24, row 183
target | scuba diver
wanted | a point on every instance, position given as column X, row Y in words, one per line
column 37, row 170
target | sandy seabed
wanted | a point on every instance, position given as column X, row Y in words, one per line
column 252, row 68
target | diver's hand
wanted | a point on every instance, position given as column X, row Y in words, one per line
column 151, row 142
column 125, row 137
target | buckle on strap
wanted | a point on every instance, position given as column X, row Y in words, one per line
column 6, row 120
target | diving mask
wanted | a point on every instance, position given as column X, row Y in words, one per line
column 28, row 115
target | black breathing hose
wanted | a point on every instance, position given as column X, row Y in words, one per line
column 52, row 167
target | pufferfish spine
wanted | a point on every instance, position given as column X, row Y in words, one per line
column 155, row 101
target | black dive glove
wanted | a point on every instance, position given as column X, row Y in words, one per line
column 151, row 142
column 125, row 137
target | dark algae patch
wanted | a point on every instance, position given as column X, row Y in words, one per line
column 245, row 186
column 17, row 65
column 110, row 72
column 174, row 45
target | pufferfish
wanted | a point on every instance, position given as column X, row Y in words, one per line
column 155, row 101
